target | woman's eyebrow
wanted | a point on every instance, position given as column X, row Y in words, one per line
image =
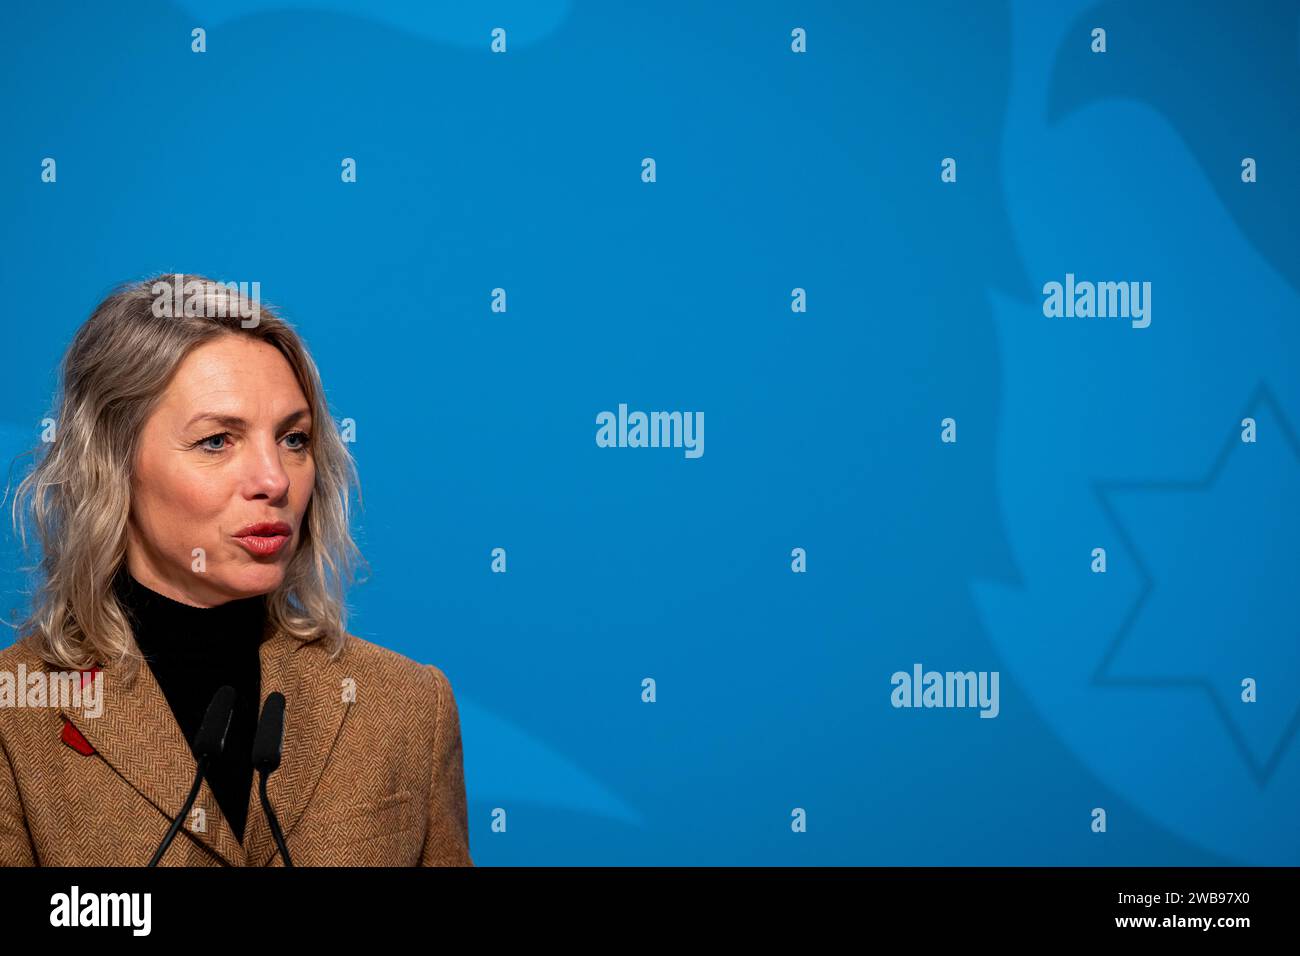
column 234, row 421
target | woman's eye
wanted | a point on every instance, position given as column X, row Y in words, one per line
column 298, row 441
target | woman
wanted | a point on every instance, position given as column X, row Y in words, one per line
column 192, row 511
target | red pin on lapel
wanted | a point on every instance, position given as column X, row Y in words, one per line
column 71, row 735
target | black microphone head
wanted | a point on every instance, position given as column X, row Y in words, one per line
column 269, row 739
column 211, row 738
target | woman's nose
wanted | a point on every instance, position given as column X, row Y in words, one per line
column 268, row 475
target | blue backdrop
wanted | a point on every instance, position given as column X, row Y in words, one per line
column 774, row 170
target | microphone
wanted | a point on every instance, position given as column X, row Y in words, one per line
column 266, row 760
column 208, row 744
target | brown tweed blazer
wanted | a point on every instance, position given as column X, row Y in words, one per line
column 377, row 780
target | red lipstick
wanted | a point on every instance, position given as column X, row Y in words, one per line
column 264, row 538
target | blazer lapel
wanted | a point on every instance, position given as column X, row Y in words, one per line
column 312, row 686
column 138, row 736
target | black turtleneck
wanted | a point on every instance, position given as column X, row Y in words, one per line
column 192, row 651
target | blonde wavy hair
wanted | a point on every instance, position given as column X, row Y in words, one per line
column 77, row 497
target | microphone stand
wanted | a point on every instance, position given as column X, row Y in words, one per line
column 208, row 743
column 267, row 746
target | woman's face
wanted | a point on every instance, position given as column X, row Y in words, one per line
column 226, row 448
